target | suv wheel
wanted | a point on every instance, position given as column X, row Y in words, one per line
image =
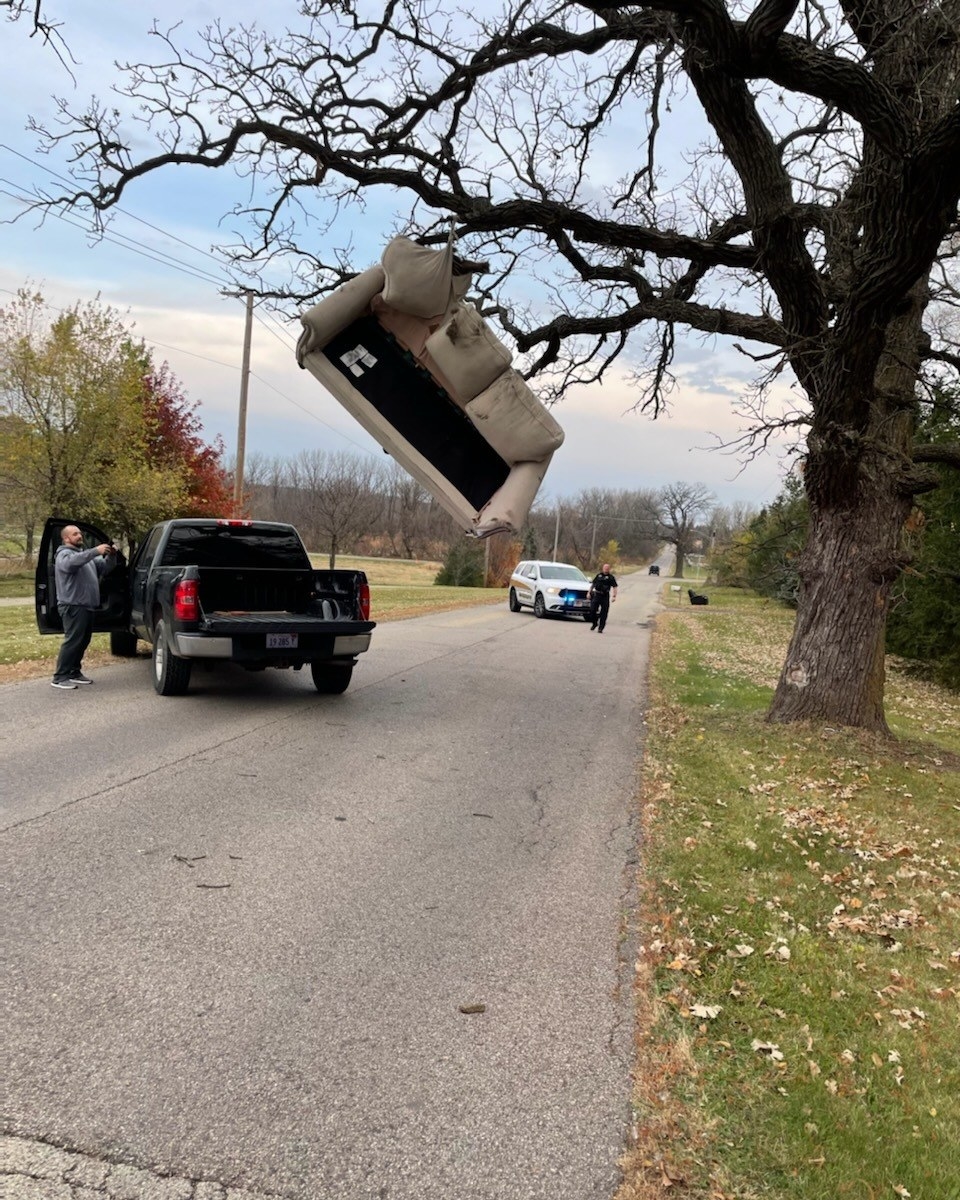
column 539, row 607
column 513, row 601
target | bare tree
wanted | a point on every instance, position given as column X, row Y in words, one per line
column 407, row 517
column 812, row 217
column 338, row 497
column 676, row 516
column 727, row 520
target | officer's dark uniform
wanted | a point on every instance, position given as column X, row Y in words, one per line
column 600, row 599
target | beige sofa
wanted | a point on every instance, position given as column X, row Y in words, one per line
column 428, row 379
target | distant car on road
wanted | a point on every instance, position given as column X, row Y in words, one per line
column 550, row 587
column 654, row 569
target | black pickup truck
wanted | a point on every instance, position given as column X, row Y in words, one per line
column 228, row 590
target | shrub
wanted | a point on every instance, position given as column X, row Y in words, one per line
column 463, row 565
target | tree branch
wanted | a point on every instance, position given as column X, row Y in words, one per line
column 947, row 453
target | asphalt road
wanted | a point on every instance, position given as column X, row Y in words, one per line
column 243, row 923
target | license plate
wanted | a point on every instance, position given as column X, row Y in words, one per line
column 281, row 641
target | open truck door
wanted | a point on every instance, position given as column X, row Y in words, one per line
column 113, row 613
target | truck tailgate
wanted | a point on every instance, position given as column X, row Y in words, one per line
column 234, row 623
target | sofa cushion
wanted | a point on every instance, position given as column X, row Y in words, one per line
column 514, row 421
column 467, row 352
column 420, row 280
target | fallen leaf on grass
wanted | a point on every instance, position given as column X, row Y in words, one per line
column 768, row 1048
column 708, row 1011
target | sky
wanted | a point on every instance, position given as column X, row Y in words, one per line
column 158, row 271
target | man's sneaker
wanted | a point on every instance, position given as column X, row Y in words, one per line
column 67, row 684
column 80, row 679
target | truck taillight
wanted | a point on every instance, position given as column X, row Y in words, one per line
column 364, row 602
column 186, row 600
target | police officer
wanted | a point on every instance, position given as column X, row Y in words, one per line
column 603, row 589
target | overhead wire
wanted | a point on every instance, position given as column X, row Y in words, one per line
column 162, row 258
column 125, row 243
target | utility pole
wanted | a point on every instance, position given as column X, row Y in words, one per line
column 242, row 420
column 556, row 533
column 593, row 539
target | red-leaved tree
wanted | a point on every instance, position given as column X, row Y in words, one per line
column 175, row 439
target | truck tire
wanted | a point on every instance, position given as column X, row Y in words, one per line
column 171, row 675
column 332, row 679
column 513, row 601
column 123, row 644
column 539, row 607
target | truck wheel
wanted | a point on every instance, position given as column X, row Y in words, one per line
column 123, row 644
column 171, row 675
column 513, row 601
column 539, row 607
column 332, row 679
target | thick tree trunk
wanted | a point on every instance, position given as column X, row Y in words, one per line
column 859, row 483
column 834, row 669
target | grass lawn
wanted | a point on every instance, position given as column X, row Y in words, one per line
column 16, row 583
column 799, row 1031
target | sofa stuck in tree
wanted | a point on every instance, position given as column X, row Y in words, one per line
column 426, row 377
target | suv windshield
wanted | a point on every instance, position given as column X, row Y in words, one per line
column 550, row 571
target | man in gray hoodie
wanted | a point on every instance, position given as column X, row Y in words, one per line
column 77, row 572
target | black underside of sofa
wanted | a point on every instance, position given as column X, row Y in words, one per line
column 410, row 399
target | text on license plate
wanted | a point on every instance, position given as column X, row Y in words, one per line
column 281, row 641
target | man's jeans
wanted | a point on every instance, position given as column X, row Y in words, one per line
column 77, row 631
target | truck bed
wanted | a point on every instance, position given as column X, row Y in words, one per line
column 273, row 593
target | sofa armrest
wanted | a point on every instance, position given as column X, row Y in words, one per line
column 508, row 507
column 338, row 310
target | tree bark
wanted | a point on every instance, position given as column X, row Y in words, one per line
column 858, row 482
column 834, row 669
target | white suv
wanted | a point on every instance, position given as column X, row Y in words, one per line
column 550, row 587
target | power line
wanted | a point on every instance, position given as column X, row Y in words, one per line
column 126, row 212
column 282, row 335
column 125, row 243
column 320, row 420
column 233, row 367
